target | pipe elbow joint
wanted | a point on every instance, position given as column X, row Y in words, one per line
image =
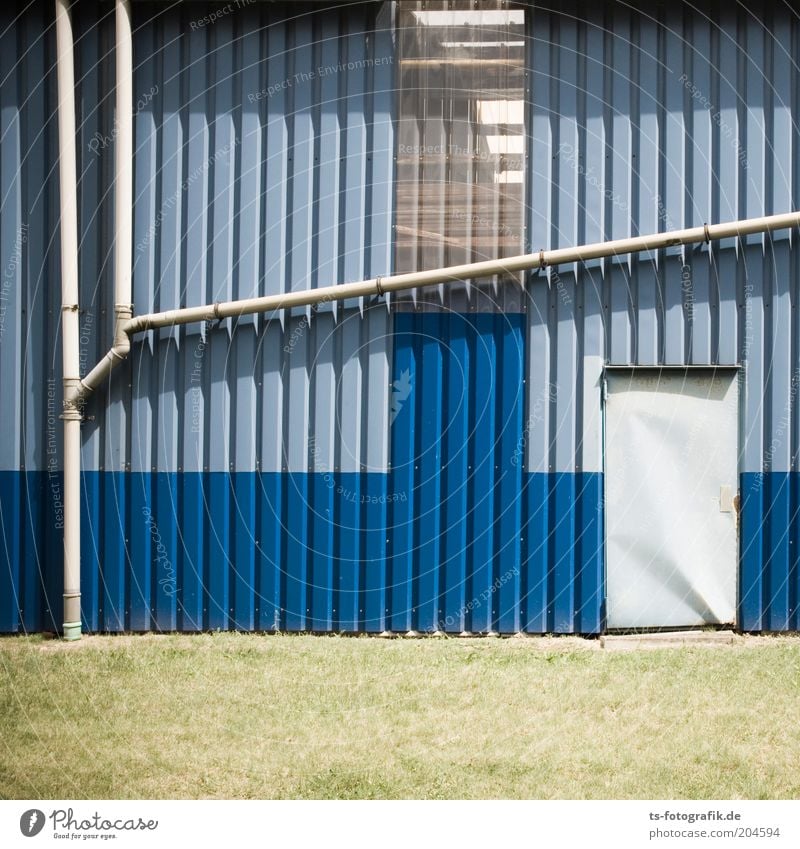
column 122, row 340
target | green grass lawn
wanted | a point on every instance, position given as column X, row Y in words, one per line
column 242, row 716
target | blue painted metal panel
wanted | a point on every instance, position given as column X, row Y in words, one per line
column 374, row 513
column 269, row 586
column 562, row 561
column 769, row 581
column 250, row 179
column 13, row 572
column 485, row 362
column 244, row 553
column 31, row 580
column 114, row 564
column 482, row 546
column 559, row 566
column 404, row 424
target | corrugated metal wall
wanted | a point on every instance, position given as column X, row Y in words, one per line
column 250, row 476
column 646, row 121
column 264, row 162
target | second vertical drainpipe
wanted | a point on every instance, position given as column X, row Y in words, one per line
column 123, row 172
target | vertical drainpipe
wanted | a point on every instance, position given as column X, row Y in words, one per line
column 70, row 333
column 123, row 170
column 123, row 239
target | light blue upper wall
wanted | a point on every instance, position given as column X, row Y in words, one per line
column 30, row 353
column 264, row 165
column 264, row 159
column 223, row 180
column 644, row 121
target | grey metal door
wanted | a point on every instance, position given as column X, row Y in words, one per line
column 671, row 438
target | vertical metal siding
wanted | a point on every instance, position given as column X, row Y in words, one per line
column 638, row 122
column 264, row 162
column 652, row 120
column 262, row 454
column 263, row 141
column 31, row 508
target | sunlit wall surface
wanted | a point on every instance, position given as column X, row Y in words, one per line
column 432, row 461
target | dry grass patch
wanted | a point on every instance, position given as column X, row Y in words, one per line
column 239, row 716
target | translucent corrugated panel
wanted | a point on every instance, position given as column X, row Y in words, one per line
column 461, row 141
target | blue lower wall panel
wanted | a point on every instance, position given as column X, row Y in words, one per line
column 769, row 579
column 476, row 544
column 31, row 552
column 316, row 552
column 192, row 552
column 562, row 570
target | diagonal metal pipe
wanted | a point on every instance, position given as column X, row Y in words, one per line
column 127, row 327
